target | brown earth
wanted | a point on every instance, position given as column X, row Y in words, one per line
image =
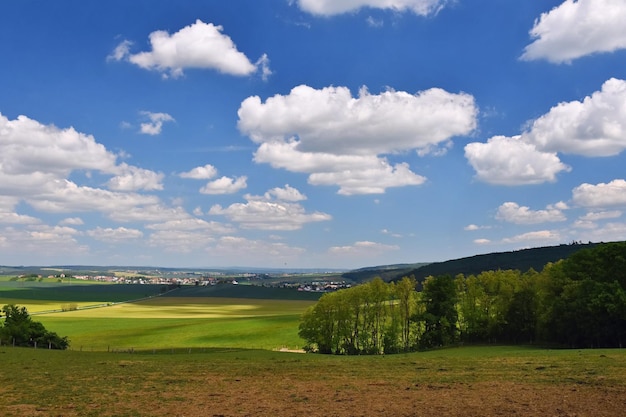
column 215, row 395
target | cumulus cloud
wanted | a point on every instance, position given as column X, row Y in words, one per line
column 514, row 213
column 537, row 237
column 225, row 185
column 155, row 125
column 237, row 248
column 361, row 248
column 186, row 234
column 15, row 218
column 43, row 239
column 116, row 235
column 133, row 178
column 578, row 28
column 474, row 227
column 593, row 127
column 601, row 215
column 200, row 173
column 199, row 45
column 37, row 160
column 285, row 194
column 482, row 241
column 335, row 7
column 602, row 195
column 511, row 161
column 72, row 221
column 272, row 211
column 29, row 150
column 340, row 140
column 609, row 232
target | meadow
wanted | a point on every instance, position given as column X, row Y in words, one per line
column 122, row 317
column 213, row 352
column 469, row 381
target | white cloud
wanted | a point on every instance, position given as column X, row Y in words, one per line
column 192, row 224
column 186, row 234
column 513, row 213
column 15, row 218
column 33, row 152
column 285, row 194
column 260, row 212
column 36, row 161
column 338, row 139
column 72, row 221
column 331, row 121
column 362, row 248
column 595, row 126
column 511, row 161
column 199, row 45
column 225, row 185
column 121, row 51
column 601, row 215
column 180, row 241
column 44, row 240
column 334, row 7
column 155, row 125
column 538, row 237
column 609, row 232
column 200, row 173
column 116, row 235
column 475, row 227
column 252, row 251
column 482, row 241
column 133, row 179
column 578, row 28
column 601, row 195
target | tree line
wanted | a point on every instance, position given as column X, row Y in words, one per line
column 19, row 329
column 577, row 302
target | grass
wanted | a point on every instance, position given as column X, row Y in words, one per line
column 99, row 383
column 170, row 322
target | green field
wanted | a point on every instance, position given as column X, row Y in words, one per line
column 200, row 351
column 189, row 317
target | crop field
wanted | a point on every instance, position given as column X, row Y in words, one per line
column 470, row 381
column 213, row 352
column 170, row 322
column 191, row 317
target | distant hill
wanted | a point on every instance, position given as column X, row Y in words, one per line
column 522, row 260
column 385, row 272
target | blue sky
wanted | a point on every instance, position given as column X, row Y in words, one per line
column 308, row 133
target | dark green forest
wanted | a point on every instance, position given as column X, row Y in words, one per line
column 578, row 302
column 19, row 329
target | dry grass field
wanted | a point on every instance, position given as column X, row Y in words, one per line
column 475, row 381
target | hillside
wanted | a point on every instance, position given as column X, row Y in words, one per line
column 522, row 260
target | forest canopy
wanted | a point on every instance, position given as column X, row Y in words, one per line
column 577, row 302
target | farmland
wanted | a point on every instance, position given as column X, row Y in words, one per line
column 115, row 316
column 212, row 351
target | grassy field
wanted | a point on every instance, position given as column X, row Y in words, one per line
column 471, row 381
column 170, row 322
column 210, row 351
column 189, row 317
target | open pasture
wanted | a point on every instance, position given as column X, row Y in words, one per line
column 471, row 381
column 170, row 322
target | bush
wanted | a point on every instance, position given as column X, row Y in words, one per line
column 20, row 330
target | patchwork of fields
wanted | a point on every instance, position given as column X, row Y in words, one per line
column 114, row 317
column 210, row 352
